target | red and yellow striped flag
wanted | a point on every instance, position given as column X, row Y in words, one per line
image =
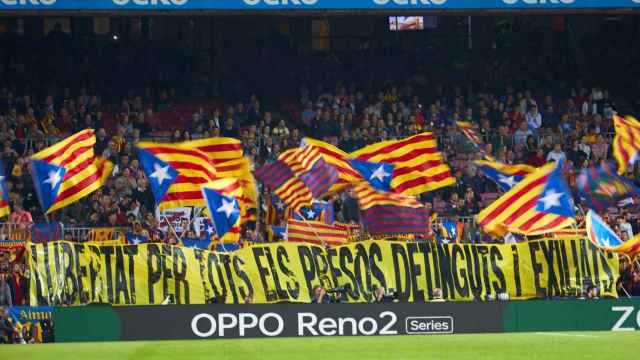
column 338, row 159
column 419, row 166
column 316, row 232
column 469, row 132
column 539, row 204
column 176, row 173
column 68, row 170
column 626, row 143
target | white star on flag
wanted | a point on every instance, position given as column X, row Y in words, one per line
column 209, row 230
column 606, row 241
column 379, row 174
column 279, row 205
column 510, row 181
column 54, row 178
column 311, row 214
column 161, row 173
column 551, row 199
column 228, row 208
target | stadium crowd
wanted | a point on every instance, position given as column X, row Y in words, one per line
column 349, row 101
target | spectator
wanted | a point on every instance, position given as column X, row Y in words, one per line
column 5, row 291
column 557, row 154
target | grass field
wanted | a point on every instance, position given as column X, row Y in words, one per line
column 547, row 346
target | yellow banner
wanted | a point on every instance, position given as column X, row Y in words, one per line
column 71, row 273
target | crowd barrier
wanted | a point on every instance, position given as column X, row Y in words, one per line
column 311, row 320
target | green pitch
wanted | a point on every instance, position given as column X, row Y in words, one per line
column 562, row 346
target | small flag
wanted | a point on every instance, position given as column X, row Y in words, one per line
column 602, row 188
column 68, row 170
column 318, row 211
column 223, row 210
column 626, row 143
column 316, row 233
column 197, row 243
column 278, row 232
column 451, row 230
column 541, row 203
column 467, row 129
column 505, row 176
column 378, row 175
column 602, row 236
column 134, row 239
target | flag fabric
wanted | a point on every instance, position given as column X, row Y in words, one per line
column 135, row 239
column 467, row 129
column 224, row 212
column 320, row 178
column 568, row 234
column 418, row 165
column 224, row 247
column 600, row 188
column 176, row 173
column 505, row 176
column 318, row 211
column 275, row 210
column 274, row 174
column 220, row 150
column 316, row 232
column 541, row 203
column 279, row 178
column 377, row 174
column 4, row 194
column 277, row 232
column 451, row 230
column 68, row 170
column 336, row 158
column 198, row 243
column 47, row 232
column 626, row 143
column 103, row 234
column 390, row 213
column 602, row 236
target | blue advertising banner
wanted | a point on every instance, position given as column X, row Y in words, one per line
column 313, row 4
column 25, row 314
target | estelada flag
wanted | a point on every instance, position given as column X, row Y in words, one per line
column 541, row 203
column 68, row 170
column 626, row 143
column 418, row 165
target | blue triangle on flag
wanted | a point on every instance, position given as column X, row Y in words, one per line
column 160, row 174
column 224, row 210
column 47, row 179
column 4, row 192
column 379, row 175
column 600, row 233
column 556, row 198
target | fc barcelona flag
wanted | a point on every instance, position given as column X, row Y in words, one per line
column 602, row 188
column 68, row 170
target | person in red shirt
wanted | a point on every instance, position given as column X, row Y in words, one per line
column 21, row 218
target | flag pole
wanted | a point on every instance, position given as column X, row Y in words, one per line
column 312, row 228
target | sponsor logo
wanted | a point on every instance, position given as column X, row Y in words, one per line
column 539, row 2
column 281, row 2
column 410, row 2
column 151, row 2
column 28, row 2
column 310, row 325
column 230, row 325
column 429, row 324
column 626, row 318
